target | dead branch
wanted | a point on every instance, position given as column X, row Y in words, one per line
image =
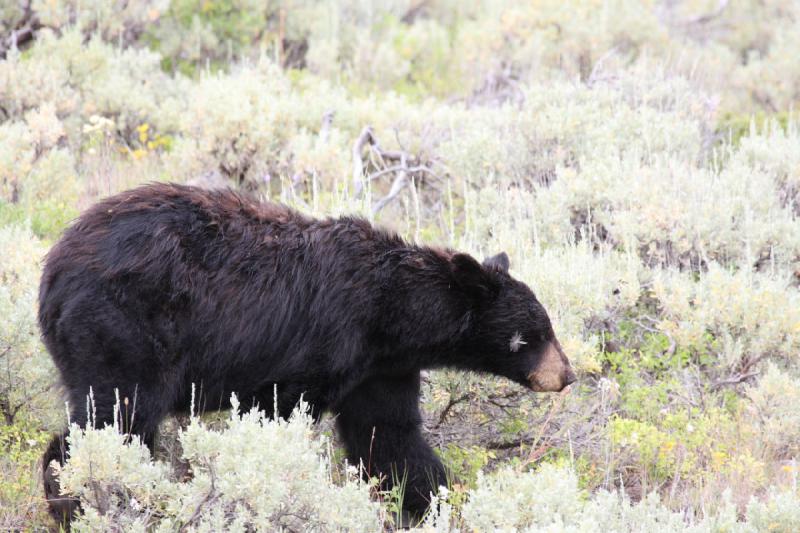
column 506, row 445
column 594, row 76
column 454, row 400
column 397, row 168
column 399, row 183
column 378, row 162
column 708, row 17
column 394, row 155
column 733, row 380
column 387, row 170
column 366, row 137
column 22, row 33
column 210, row 497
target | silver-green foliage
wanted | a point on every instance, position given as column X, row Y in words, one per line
column 26, row 372
column 550, row 501
column 256, row 474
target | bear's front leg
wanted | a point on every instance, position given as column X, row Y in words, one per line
column 379, row 422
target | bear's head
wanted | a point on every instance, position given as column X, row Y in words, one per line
column 511, row 334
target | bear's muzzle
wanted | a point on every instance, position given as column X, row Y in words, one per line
column 554, row 372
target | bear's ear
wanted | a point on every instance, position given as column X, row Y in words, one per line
column 470, row 276
column 498, row 263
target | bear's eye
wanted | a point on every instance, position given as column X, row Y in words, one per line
column 516, row 342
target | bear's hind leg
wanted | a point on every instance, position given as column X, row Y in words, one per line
column 137, row 417
column 110, row 352
column 62, row 508
column 139, row 412
column 380, row 423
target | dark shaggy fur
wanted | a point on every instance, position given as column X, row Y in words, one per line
column 160, row 287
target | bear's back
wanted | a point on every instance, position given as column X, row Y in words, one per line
column 149, row 229
column 174, row 239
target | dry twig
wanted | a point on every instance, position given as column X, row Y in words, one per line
column 403, row 165
column 400, row 182
column 366, row 137
column 454, row 400
column 733, row 380
column 210, row 497
column 22, row 33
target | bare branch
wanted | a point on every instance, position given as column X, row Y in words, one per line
column 400, row 183
column 506, row 445
column 402, row 164
column 210, row 497
column 22, row 33
column 594, row 76
column 749, row 363
column 387, row 170
column 708, row 17
column 733, row 380
column 397, row 168
column 366, row 137
column 397, row 155
column 454, row 400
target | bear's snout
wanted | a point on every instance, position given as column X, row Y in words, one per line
column 553, row 372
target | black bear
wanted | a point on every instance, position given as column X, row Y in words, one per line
column 165, row 286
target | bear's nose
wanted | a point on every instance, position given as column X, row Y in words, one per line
column 568, row 379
